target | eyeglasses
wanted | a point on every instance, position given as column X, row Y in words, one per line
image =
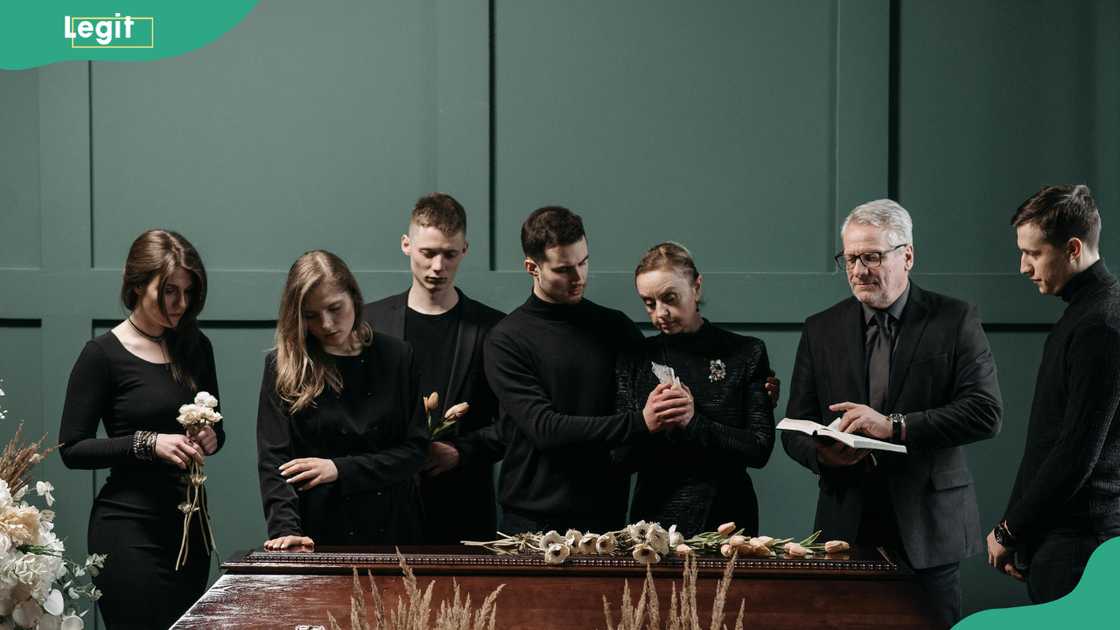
column 870, row 260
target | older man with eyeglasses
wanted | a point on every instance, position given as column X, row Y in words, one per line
column 901, row 364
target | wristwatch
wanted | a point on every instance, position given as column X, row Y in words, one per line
column 898, row 422
column 1003, row 536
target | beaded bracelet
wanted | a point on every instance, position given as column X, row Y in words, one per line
column 144, row 445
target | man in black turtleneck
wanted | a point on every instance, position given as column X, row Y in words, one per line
column 551, row 364
column 1066, row 499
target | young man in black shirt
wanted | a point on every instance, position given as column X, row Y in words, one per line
column 447, row 330
column 551, row 364
column 1066, row 499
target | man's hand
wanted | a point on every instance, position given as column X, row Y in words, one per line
column 1001, row 558
column 863, row 420
column 442, row 457
column 667, row 406
column 309, row 471
column 838, row 454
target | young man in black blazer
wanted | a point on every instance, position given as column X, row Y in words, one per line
column 1066, row 499
column 897, row 363
column 447, row 330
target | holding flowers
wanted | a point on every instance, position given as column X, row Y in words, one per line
column 133, row 380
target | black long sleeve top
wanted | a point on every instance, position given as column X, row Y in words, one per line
column 1070, row 472
column 126, row 393
column 375, row 433
column 552, row 369
column 694, row 477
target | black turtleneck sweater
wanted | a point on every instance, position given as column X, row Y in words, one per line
column 552, row 369
column 1070, row 472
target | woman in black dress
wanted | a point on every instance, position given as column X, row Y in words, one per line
column 341, row 432
column 133, row 379
column 694, row 474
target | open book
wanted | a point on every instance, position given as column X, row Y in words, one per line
column 808, row 427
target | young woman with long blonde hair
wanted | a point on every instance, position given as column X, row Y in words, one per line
column 341, row 432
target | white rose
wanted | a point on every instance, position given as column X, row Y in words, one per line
column 27, row 614
column 72, row 622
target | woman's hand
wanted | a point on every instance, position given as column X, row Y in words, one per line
column 666, row 407
column 295, row 543
column 307, row 472
column 177, row 449
column 773, row 388
column 207, row 440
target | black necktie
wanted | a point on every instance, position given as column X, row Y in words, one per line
column 879, row 362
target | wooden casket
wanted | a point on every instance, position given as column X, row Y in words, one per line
column 290, row 590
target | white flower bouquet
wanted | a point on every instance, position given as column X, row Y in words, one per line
column 39, row 587
column 195, row 417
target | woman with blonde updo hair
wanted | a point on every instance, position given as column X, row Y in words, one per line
column 132, row 380
column 694, row 474
column 341, row 431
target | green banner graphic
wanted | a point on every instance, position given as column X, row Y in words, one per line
column 41, row 33
column 1088, row 606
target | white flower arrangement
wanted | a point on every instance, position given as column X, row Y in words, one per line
column 196, row 417
column 649, row 543
column 39, row 587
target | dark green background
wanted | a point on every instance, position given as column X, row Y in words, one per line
column 745, row 130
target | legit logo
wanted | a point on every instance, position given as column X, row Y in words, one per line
column 111, row 32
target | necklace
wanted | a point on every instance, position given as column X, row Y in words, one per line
column 152, row 338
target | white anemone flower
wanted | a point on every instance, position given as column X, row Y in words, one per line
column 658, row 538
column 551, row 538
column 572, row 537
column 605, row 544
column 44, row 489
column 556, row 553
column 54, row 603
column 676, row 539
column 645, row 554
column 587, row 544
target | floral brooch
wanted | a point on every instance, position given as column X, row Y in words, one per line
column 717, row 371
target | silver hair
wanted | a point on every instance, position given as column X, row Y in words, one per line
column 885, row 214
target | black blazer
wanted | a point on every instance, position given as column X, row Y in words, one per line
column 467, row 491
column 943, row 378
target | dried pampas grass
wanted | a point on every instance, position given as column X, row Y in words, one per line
column 414, row 610
column 684, row 612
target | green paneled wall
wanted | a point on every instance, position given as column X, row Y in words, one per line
column 743, row 129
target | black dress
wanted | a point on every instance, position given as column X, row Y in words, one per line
column 135, row 518
column 376, row 434
column 696, row 477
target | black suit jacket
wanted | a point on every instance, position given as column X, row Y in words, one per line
column 459, row 503
column 943, row 378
